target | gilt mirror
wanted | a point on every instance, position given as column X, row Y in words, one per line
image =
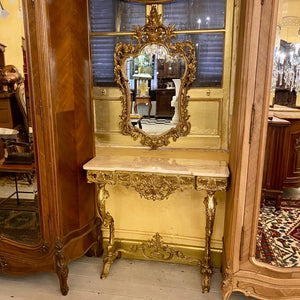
column 154, row 69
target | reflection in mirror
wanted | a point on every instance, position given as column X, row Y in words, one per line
column 278, row 238
column 155, row 77
column 19, row 209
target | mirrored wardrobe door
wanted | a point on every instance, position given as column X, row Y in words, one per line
column 19, row 197
column 278, row 237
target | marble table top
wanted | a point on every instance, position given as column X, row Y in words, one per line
column 194, row 167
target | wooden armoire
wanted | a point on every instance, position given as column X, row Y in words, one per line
column 242, row 272
column 60, row 93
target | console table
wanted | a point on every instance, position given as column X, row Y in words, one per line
column 157, row 178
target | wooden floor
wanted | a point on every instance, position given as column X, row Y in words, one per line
column 128, row 279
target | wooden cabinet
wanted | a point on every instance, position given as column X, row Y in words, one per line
column 10, row 113
column 6, row 117
column 292, row 179
column 163, row 102
column 63, row 133
column 242, row 272
column 282, row 155
column 2, row 60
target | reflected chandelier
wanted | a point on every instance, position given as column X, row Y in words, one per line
column 286, row 67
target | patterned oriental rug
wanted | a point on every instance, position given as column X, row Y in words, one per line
column 20, row 222
column 278, row 236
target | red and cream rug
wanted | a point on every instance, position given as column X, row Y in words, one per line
column 278, row 237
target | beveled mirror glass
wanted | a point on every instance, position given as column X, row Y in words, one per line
column 19, row 197
column 278, row 238
column 154, row 69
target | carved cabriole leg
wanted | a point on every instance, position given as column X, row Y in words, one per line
column 227, row 285
column 210, row 185
column 107, row 222
column 206, row 268
column 62, row 269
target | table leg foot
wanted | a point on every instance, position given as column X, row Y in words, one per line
column 206, row 275
column 107, row 262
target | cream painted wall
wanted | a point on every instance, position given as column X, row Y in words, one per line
column 11, row 33
column 289, row 20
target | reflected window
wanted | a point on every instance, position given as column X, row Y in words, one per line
column 195, row 14
column 209, row 54
column 102, row 50
column 115, row 15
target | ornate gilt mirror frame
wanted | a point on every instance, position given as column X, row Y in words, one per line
column 154, row 32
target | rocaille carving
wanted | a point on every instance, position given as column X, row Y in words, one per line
column 3, row 264
column 151, row 186
column 156, row 248
column 227, row 285
column 211, row 184
column 44, row 248
column 62, row 269
column 154, row 32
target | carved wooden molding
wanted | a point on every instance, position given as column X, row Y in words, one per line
column 44, row 248
column 3, row 264
column 62, row 269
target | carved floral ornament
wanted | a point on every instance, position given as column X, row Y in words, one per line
column 154, row 33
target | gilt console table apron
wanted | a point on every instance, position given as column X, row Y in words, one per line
column 155, row 179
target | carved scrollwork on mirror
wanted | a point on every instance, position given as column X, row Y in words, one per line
column 155, row 70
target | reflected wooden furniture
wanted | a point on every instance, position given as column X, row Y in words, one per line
column 2, row 60
column 6, row 116
column 136, row 120
column 6, row 134
column 292, row 147
column 62, row 124
column 275, row 160
column 143, row 100
column 17, row 169
column 155, row 179
column 163, row 102
column 282, row 158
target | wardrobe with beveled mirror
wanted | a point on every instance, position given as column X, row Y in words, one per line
column 54, row 221
column 261, row 241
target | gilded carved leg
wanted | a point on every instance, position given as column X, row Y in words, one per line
column 62, row 269
column 206, row 268
column 107, row 222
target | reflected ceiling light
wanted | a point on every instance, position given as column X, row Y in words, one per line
column 3, row 12
column 286, row 67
